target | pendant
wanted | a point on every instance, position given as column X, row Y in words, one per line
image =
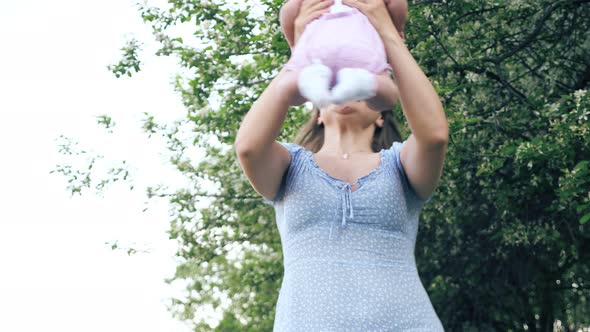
column 345, row 156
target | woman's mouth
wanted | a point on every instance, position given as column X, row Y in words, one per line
column 345, row 109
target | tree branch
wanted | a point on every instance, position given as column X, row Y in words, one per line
column 227, row 196
column 443, row 47
column 548, row 11
column 583, row 81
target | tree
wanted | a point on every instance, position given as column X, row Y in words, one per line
column 504, row 242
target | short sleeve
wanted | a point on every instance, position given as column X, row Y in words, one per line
column 295, row 151
column 408, row 190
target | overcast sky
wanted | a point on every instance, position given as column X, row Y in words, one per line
column 57, row 273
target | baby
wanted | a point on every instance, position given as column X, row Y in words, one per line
column 340, row 54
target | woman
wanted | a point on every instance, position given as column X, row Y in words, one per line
column 347, row 210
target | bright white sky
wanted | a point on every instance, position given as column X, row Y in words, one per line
column 57, row 273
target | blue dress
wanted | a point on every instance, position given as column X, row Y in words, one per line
column 348, row 256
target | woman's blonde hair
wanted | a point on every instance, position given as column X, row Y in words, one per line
column 311, row 135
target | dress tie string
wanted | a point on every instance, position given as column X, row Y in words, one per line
column 346, row 204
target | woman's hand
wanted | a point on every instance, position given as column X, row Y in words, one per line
column 377, row 13
column 309, row 11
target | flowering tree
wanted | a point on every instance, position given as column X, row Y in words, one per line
column 503, row 245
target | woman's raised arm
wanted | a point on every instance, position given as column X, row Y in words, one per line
column 424, row 152
column 263, row 159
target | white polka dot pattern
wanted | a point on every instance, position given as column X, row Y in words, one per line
column 349, row 255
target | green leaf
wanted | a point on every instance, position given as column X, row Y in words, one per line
column 584, row 219
column 581, row 165
column 582, row 207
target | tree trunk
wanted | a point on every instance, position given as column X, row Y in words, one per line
column 546, row 319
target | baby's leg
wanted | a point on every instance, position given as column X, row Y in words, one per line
column 314, row 83
column 398, row 11
column 354, row 84
column 378, row 90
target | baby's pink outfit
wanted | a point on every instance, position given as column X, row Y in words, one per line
column 340, row 40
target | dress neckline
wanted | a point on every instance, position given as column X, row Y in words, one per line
column 360, row 180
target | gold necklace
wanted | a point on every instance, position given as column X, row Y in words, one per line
column 346, row 155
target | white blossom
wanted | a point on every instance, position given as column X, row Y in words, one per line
column 578, row 94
